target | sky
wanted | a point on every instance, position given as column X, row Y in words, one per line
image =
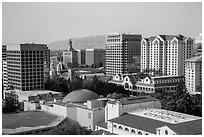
column 48, row 22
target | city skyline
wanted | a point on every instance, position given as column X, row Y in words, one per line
column 48, row 22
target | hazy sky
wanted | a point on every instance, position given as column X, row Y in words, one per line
column 48, row 22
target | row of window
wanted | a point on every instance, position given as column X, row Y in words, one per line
column 132, row 130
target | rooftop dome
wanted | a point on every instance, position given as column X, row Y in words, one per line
column 79, row 96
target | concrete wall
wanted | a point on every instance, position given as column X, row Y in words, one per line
column 89, row 57
column 29, row 106
column 98, row 116
column 72, row 113
column 95, row 104
column 85, row 117
column 55, row 109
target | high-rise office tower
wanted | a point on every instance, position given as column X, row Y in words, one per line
column 25, row 66
column 193, row 74
column 165, row 53
column 95, row 57
column 82, row 57
column 70, row 56
column 122, row 53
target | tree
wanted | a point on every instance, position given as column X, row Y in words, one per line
column 68, row 127
column 9, row 105
column 180, row 101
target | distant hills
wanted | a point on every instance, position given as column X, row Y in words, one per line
column 80, row 43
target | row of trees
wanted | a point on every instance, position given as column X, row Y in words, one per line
column 68, row 127
column 66, row 86
column 8, row 105
column 180, row 101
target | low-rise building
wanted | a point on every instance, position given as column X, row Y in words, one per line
column 118, row 107
column 153, row 122
column 34, row 95
column 81, row 106
column 147, row 84
column 160, row 83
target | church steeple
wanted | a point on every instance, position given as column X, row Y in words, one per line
column 70, row 44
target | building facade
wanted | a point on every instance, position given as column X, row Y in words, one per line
column 25, row 66
column 4, row 49
column 147, row 84
column 122, row 53
column 70, row 56
column 166, row 53
column 81, row 57
column 193, row 74
column 95, row 57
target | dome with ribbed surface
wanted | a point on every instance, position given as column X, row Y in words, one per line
column 81, row 95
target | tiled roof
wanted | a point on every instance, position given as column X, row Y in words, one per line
column 195, row 59
column 151, row 38
column 188, row 128
column 150, row 125
column 168, row 37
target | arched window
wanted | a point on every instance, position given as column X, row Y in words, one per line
column 126, row 85
column 114, row 126
column 50, row 95
column 166, row 132
column 139, row 133
column 120, row 127
column 38, row 97
column 146, row 134
column 133, row 131
column 126, row 129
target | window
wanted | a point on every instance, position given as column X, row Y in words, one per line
column 139, row 133
column 120, row 127
column 126, row 129
column 133, row 131
column 166, row 132
column 89, row 115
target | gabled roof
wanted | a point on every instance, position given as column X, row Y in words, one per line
column 151, row 38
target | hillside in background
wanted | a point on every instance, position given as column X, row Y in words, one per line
column 80, row 43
